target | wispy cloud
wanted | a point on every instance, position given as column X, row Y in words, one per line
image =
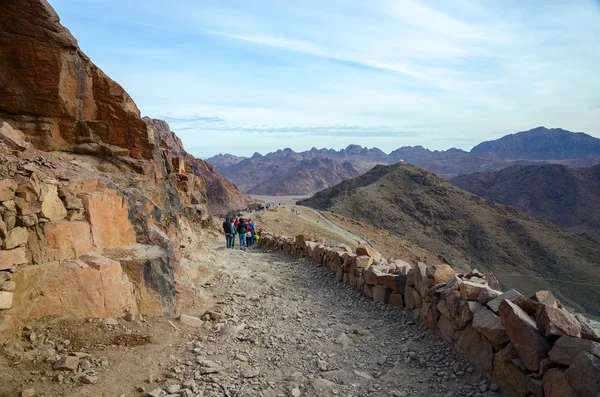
column 246, row 76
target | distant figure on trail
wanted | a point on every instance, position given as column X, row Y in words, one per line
column 252, row 232
column 228, row 232
column 241, row 229
column 248, row 233
column 233, row 232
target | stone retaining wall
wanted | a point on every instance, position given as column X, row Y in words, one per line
column 532, row 346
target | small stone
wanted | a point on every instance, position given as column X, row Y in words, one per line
column 295, row 392
column 110, row 321
column 28, row 393
column 250, row 374
column 191, row 321
column 173, row 389
column 68, row 363
column 90, row 380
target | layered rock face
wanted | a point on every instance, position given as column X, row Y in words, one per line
column 53, row 93
column 93, row 200
column 223, row 196
column 531, row 346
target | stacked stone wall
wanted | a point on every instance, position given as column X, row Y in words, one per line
column 533, row 346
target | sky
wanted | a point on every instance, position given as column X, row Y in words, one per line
column 242, row 76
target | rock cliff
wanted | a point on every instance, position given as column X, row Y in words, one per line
column 93, row 199
column 223, row 196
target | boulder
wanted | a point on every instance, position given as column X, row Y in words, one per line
column 52, row 207
column 556, row 385
column 476, row 348
column 6, row 300
column 546, row 298
column 443, row 308
column 530, row 345
column 510, row 295
column 590, row 329
column 396, row 300
column 16, row 237
column 409, row 299
column 440, row 273
column 191, row 321
column 11, row 137
column 446, row 328
column 365, row 250
column 150, row 269
column 508, row 374
column 83, row 288
column 417, row 298
column 487, row 294
column 469, row 291
column 381, row 293
column 466, row 313
column 584, row 374
column 7, row 189
column 566, row 348
column 535, row 385
column 489, row 325
column 368, row 291
column 552, row 321
column 420, row 274
column 68, row 363
column 452, row 299
column 363, row 261
column 10, row 258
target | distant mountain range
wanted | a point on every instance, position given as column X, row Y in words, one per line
column 568, row 197
column 524, row 252
column 286, row 172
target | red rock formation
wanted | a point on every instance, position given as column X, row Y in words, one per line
column 223, row 196
column 52, row 92
column 90, row 215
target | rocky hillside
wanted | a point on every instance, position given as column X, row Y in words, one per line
column 307, row 177
column 94, row 201
column 524, row 252
column 567, row 197
column 542, row 143
column 223, row 196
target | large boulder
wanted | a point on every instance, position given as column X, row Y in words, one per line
column 365, row 250
column 440, row 273
column 10, row 258
column 510, row 295
column 552, row 321
column 566, row 348
column 584, row 375
column 530, row 345
column 150, row 269
column 556, row 385
column 476, row 348
column 489, row 325
column 510, row 375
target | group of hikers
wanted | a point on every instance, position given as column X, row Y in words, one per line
column 244, row 228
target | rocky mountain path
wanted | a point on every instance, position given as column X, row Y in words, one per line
column 285, row 327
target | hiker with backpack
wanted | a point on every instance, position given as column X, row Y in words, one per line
column 228, row 232
column 241, row 229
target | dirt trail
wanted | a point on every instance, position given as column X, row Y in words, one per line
column 280, row 327
column 287, row 328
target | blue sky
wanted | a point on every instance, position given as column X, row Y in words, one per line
column 244, row 76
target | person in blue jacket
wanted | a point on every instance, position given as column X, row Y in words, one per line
column 251, row 224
